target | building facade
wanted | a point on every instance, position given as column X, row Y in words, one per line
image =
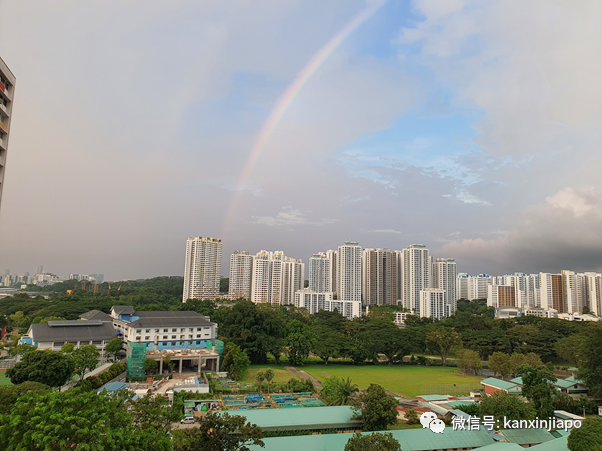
column 319, row 273
column 276, row 278
column 501, row 296
column 314, row 302
column 444, row 278
column 350, row 272
column 550, row 292
column 7, row 92
column 433, row 304
column 472, row 287
column 379, row 277
column 416, row 275
column 202, row 268
column 241, row 275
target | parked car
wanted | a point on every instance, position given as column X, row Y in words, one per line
column 187, row 420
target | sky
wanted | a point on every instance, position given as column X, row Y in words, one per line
column 471, row 127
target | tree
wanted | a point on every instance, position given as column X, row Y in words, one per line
column 215, row 434
column 376, row 408
column 568, row 348
column 373, row 442
column 384, row 337
column 441, row 340
column 588, row 437
column 338, row 391
column 329, row 345
column 150, row 365
column 533, row 360
column 46, row 367
column 469, row 360
column 51, row 318
column 500, row 364
column 67, row 348
column 236, row 362
column 299, row 339
column 9, row 395
column 516, row 360
column 537, row 389
column 85, row 359
column 22, row 349
column 167, row 361
column 411, row 417
column 590, row 364
column 260, row 377
column 501, row 404
column 269, row 375
column 17, row 319
column 114, row 347
column 78, row 420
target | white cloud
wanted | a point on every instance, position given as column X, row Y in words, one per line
column 290, row 217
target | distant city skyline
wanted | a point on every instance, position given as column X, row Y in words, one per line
column 297, row 126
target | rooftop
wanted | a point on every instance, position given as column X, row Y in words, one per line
column 433, row 398
column 558, row 444
column 76, row 330
column 498, row 383
column 501, row 446
column 96, row 315
column 123, row 309
column 527, row 436
column 409, row 439
column 306, row 418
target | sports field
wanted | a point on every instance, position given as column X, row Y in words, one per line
column 281, row 374
column 4, row 381
column 405, row 380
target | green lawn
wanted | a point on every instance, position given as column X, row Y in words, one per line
column 4, row 381
column 281, row 375
column 405, row 380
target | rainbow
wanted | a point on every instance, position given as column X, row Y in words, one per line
column 287, row 98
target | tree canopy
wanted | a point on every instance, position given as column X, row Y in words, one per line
column 46, row 367
column 373, row 442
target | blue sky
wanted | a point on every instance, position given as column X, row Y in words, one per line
column 471, row 127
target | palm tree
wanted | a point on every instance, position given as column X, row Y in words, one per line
column 259, row 377
column 269, row 375
column 341, row 392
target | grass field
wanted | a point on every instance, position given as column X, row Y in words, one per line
column 4, row 381
column 281, row 375
column 405, row 380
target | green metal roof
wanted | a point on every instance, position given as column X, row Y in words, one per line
column 502, row 446
column 455, row 404
column 527, row 436
column 558, row 444
column 498, row 383
column 564, row 384
column 409, row 439
column 517, row 380
column 431, row 398
column 302, row 418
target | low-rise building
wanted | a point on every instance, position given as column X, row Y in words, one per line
column 507, row 312
column 54, row 334
column 314, row 302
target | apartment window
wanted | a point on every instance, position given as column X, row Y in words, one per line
column 148, row 331
column 182, row 337
column 165, row 330
column 198, row 336
column 190, row 336
column 182, row 329
column 190, row 329
column 165, row 337
column 173, row 337
column 174, row 330
column 137, row 338
column 156, row 331
column 198, row 329
column 138, row 331
column 97, row 342
column 147, row 338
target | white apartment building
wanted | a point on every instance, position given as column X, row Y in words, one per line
column 7, row 92
column 319, row 273
column 276, row 278
column 379, row 277
column 572, row 292
column 593, row 292
column 472, row 287
column 550, row 292
column 241, row 275
column 333, row 259
column 314, row 302
column 350, row 272
column 416, row 277
column 433, row 304
column 444, row 278
column 202, row 268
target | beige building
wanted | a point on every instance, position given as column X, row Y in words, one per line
column 202, row 268
column 319, row 273
column 444, row 278
column 241, row 275
column 379, row 277
column 349, row 272
column 433, row 304
column 276, row 278
column 416, row 275
column 550, row 292
column 7, row 92
column 501, row 296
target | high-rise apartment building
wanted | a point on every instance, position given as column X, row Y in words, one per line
column 444, row 278
column 202, row 268
column 276, row 278
column 319, row 273
column 550, row 292
column 416, row 275
column 434, row 303
column 349, row 272
column 333, row 258
column 472, row 287
column 241, row 274
column 501, row 296
column 7, row 92
column 379, row 277
column 593, row 292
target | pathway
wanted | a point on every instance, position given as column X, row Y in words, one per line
column 303, row 375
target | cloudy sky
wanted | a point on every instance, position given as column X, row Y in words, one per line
column 473, row 127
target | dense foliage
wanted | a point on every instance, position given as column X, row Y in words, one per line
column 46, row 367
column 373, row 442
